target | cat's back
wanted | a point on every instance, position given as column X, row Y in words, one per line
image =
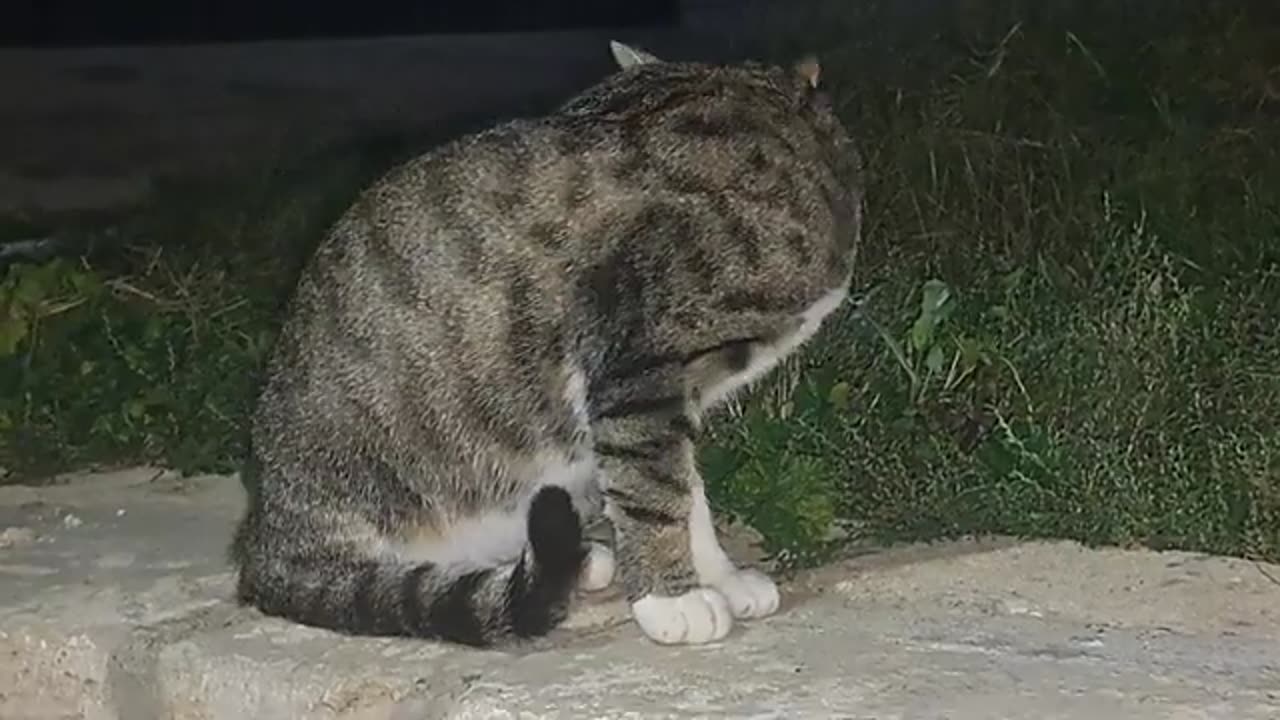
column 637, row 137
column 731, row 161
column 666, row 210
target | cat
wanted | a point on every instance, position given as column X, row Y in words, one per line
column 521, row 331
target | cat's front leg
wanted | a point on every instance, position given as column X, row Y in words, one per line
column 681, row 585
column 645, row 452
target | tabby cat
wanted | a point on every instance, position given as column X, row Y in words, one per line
column 521, row 330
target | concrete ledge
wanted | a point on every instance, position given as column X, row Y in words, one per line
column 114, row 604
column 98, row 128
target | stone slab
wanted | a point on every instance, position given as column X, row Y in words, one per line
column 114, row 603
column 91, row 563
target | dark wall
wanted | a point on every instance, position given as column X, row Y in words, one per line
column 46, row 23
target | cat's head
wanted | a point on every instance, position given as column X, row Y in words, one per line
column 804, row 74
column 792, row 90
column 799, row 81
column 801, row 78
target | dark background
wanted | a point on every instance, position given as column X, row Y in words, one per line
column 69, row 23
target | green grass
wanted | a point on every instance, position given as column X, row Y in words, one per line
column 149, row 349
column 1068, row 311
column 1073, row 326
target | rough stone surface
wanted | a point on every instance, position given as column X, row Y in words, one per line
column 114, row 603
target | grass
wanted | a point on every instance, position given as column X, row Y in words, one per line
column 1073, row 253
column 1068, row 322
column 149, row 349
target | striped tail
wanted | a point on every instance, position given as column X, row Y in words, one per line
column 338, row 590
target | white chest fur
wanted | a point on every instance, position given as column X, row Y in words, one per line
column 765, row 357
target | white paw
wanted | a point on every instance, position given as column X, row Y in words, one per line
column 597, row 571
column 751, row 594
column 698, row 616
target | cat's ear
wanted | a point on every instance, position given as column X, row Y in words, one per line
column 808, row 69
column 627, row 56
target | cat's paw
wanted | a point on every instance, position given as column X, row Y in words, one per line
column 597, row 571
column 699, row 616
column 750, row 593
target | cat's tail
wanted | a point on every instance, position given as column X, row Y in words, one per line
column 478, row 607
